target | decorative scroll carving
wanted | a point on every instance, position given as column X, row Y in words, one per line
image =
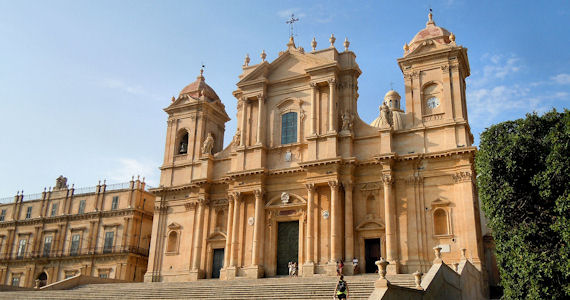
column 334, row 185
column 462, row 177
column 387, row 179
column 370, row 186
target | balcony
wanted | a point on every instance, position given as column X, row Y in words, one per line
column 43, row 255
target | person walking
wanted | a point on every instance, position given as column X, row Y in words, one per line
column 341, row 290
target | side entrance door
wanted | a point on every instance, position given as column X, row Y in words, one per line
column 287, row 245
column 372, row 254
column 217, row 263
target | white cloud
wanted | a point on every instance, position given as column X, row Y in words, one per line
column 128, row 167
column 561, row 78
column 135, row 90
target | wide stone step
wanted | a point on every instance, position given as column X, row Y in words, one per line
column 318, row 287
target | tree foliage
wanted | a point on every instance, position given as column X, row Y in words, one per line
column 523, row 169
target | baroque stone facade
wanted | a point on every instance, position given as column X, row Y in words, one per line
column 305, row 179
column 101, row 231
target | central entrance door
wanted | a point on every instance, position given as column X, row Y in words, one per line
column 287, row 245
column 217, row 263
column 372, row 254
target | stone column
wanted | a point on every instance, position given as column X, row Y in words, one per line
column 243, row 120
column 229, row 224
column 260, row 104
column 313, row 125
column 257, row 246
column 390, row 219
column 198, row 234
column 335, row 226
column 332, row 82
column 310, row 221
column 235, row 230
column 348, row 223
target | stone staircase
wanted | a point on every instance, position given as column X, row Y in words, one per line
column 318, row 287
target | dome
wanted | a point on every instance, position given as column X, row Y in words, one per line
column 199, row 86
column 431, row 32
column 391, row 94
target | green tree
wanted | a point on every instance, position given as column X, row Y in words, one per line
column 523, row 169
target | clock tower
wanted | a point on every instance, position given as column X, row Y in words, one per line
column 434, row 69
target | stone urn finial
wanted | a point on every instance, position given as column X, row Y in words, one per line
column 452, row 37
column 382, row 263
column 418, row 279
column 437, row 251
column 314, row 44
column 246, row 60
column 332, row 39
column 406, row 47
column 263, row 55
column 346, row 44
column 456, row 266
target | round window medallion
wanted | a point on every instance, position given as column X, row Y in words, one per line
column 325, row 214
column 250, row 221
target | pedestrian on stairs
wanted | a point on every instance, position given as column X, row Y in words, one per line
column 290, row 265
column 341, row 290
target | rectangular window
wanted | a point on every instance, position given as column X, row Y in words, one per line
column 16, row 281
column 289, row 128
column 108, row 247
column 47, row 245
column 74, row 249
column 21, row 248
column 81, row 207
column 115, row 203
column 29, row 212
column 2, row 215
column 103, row 275
column 54, row 209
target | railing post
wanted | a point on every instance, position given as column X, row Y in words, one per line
column 437, row 260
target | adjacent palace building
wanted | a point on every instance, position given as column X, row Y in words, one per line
column 305, row 180
column 101, row 231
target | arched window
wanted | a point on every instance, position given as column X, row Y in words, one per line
column 289, row 128
column 440, row 224
column 183, row 145
column 172, row 242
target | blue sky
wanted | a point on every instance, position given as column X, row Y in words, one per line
column 83, row 83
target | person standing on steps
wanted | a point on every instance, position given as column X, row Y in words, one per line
column 355, row 265
column 341, row 290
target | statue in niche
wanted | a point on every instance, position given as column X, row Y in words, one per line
column 61, row 183
column 208, row 144
column 347, row 121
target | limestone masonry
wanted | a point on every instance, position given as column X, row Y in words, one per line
column 305, row 180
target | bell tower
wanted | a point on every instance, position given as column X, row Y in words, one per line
column 434, row 69
column 196, row 126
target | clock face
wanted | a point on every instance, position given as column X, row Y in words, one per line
column 433, row 102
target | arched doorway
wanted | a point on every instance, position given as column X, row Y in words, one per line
column 42, row 279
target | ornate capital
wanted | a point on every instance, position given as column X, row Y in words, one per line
column 462, row 177
column 310, row 187
column 444, row 68
column 331, row 81
column 261, row 97
column 190, row 205
column 334, row 185
column 387, row 179
column 313, row 84
column 203, row 200
column 258, row 193
column 234, row 196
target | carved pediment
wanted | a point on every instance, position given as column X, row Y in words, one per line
column 174, row 226
column 428, row 46
column 371, row 222
column 440, row 202
column 217, row 236
column 286, row 199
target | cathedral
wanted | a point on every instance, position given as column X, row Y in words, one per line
column 305, row 180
